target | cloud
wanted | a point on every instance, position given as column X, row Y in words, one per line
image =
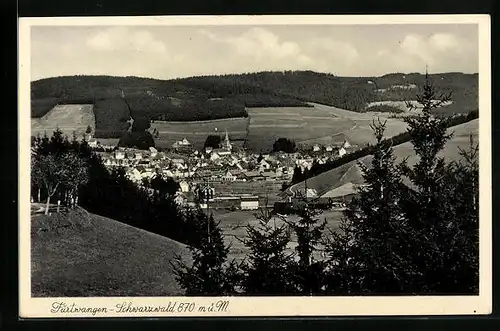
column 123, row 39
column 260, row 46
column 441, row 51
column 260, row 49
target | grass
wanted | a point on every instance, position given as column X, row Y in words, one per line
column 197, row 132
column 68, row 118
column 321, row 124
column 82, row 255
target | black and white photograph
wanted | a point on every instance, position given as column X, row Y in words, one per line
column 237, row 166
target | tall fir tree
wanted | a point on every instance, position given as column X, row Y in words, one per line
column 368, row 254
column 266, row 270
column 209, row 273
column 308, row 271
column 434, row 207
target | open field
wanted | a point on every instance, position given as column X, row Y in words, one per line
column 302, row 124
column 397, row 104
column 351, row 172
column 321, row 124
column 68, row 118
column 197, row 132
column 82, row 255
column 233, row 226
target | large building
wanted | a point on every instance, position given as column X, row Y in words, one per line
column 249, row 202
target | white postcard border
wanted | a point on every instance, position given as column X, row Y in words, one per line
column 259, row 306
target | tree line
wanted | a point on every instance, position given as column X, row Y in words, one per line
column 69, row 171
column 409, row 230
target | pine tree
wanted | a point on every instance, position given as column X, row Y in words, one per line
column 210, row 273
column 368, row 255
column 308, row 229
column 267, row 268
column 436, row 204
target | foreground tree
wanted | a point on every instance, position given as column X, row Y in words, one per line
column 54, row 171
column 368, row 254
column 436, row 206
column 414, row 227
column 308, row 229
column 209, row 273
column 267, row 268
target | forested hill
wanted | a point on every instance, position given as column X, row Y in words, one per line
column 226, row 96
column 353, row 93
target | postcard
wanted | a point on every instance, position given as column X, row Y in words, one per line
column 223, row 166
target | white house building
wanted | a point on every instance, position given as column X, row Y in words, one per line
column 184, row 186
column 249, row 203
column 342, row 152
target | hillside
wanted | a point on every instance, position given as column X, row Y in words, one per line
column 351, row 172
column 227, row 96
column 82, row 255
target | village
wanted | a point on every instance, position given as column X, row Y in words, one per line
column 232, row 178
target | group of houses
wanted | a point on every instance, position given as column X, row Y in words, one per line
column 339, row 150
column 224, row 165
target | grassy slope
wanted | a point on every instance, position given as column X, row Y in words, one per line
column 82, row 255
column 350, row 172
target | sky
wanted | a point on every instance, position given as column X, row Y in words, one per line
column 166, row 52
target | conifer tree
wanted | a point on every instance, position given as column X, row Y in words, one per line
column 308, row 229
column 209, row 272
column 267, row 268
column 430, row 205
column 368, row 254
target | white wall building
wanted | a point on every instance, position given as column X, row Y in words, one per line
column 249, row 203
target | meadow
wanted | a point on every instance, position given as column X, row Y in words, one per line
column 68, row 118
column 321, row 124
column 78, row 254
column 197, row 132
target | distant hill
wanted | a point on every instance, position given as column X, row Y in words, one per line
column 351, row 172
column 116, row 99
column 79, row 254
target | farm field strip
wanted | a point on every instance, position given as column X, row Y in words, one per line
column 68, row 118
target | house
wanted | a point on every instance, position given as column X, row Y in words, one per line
column 329, row 148
column 177, row 162
column 341, row 152
column 249, row 202
column 250, row 175
column 208, row 150
column 229, row 177
column 316, row 148
column 119, row 155
column 153, row 151
column 269, row 175
column 184, row 143
column 92, row 143
column 264, row 165
column 223, row 152
column 214, row 156
column 184, row 186
column 347, row 144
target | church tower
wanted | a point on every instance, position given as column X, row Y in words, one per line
column 227, row 144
